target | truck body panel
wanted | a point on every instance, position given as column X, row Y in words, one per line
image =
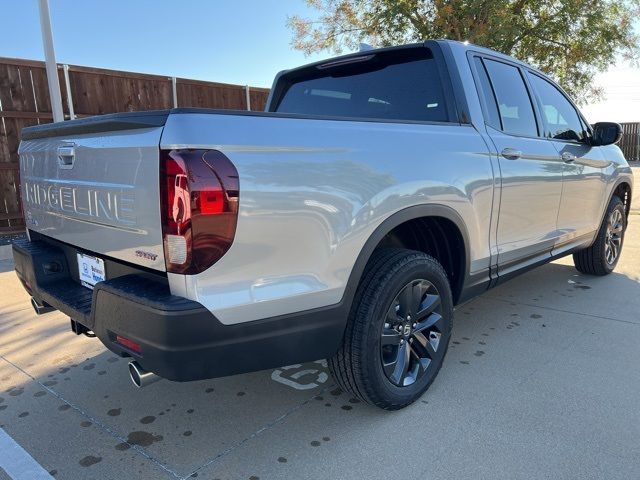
column 323, row 186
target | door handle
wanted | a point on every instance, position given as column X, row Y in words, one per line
column 568, row 157
column 511, row 153
column 66, row 156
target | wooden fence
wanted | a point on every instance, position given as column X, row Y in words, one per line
column 24, row 101
column 630, row 141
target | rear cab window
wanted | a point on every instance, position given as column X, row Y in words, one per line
column 401, row 85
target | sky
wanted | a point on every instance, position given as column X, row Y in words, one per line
column 621, row 101
column 231, row 41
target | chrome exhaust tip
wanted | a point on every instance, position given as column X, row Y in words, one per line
column 41, row 308
column 140, row 377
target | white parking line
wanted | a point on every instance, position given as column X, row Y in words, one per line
column 17, row 463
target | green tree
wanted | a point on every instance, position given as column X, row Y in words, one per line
column 571, row 40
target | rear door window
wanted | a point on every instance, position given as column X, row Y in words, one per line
column 390, row 85
column 514, row 103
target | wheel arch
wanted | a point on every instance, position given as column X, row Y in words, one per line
column 623, row 190
column 396, row 220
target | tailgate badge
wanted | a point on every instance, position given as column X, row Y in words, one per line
column 147, row 255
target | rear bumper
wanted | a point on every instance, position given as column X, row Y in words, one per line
column 180, row 339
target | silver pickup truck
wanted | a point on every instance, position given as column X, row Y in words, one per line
column 377, row 191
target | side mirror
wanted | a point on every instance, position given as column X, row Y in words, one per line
column 606, row 133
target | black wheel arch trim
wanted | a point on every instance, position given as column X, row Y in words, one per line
column 617, row 183
column 469, row 282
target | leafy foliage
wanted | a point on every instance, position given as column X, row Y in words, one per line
column 571, row 40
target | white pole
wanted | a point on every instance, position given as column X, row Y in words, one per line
column 174, row 91
column 50, row 59
column 247, row 96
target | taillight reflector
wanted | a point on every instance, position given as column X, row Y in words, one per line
column 199, row 197
column 130, row 344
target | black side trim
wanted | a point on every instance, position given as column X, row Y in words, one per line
column 100, row 123
column 534, row 262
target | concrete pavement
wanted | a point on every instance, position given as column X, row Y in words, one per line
column 541, row 381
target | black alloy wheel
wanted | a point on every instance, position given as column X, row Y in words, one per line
column 613, row 238
column 411, row 334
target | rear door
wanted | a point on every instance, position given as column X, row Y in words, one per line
column 530, row 170
column 583, row 166
column 97, row 191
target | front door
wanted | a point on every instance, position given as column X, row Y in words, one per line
column 584, row 175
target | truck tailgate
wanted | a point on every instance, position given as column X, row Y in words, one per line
column 98, row 191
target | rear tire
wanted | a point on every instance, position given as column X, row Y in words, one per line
column 603, row 255
column 398, row 330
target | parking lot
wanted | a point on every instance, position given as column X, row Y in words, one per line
column 541, row 381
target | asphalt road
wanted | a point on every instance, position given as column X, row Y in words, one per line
column 541, row 381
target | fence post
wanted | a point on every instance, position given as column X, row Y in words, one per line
column 174, row 89
column 247, row 95
column 67, row 83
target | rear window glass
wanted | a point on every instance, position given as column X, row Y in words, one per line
column 397, row 86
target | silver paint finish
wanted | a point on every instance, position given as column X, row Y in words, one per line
column 99, row 192
column 530, row 196
column 583, row 190
column 313, row 191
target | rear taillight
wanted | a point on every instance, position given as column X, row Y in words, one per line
column 199, row 195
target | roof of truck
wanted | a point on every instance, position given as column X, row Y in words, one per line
column 454, row 44
column 466, row 46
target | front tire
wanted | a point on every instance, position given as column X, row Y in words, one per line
column 398, row 330
column 602, row 256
